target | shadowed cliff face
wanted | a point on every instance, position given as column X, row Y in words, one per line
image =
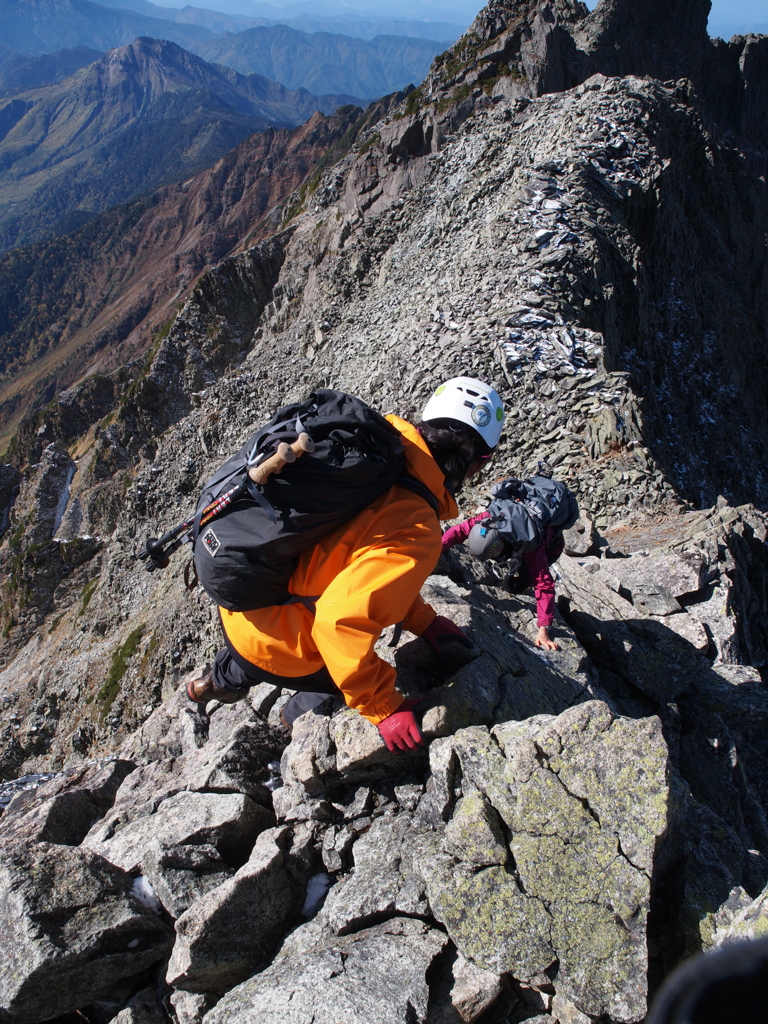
column 667, row 39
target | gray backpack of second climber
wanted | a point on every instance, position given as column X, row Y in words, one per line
column 523, row 509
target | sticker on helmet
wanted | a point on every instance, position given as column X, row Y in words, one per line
column 211, row 542
column 481, row 415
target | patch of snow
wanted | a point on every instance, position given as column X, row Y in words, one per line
column 61, row 508
column 317, row 887
column 145, row 894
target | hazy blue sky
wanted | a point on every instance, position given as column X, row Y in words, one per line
column 727, row 17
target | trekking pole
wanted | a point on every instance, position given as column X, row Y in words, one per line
column 212, row 510
column 157, row 550
column 285, row 454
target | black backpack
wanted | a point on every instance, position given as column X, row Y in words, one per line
column 522, row 509
column 246, row 551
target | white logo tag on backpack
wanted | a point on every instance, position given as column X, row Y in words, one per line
column 211, row 542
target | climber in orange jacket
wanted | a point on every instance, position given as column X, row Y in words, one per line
column 364, row 577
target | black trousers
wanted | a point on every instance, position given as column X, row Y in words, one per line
column 232, row 672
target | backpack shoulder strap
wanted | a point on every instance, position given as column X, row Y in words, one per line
column 412, row 484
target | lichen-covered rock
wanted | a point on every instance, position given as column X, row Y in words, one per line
column 586, row 801
column 71, row 928
column 376, row 976
column 750, row 922
column 491, row 920
column 474, row 833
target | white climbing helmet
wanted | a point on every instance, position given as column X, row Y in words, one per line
column 469, row 401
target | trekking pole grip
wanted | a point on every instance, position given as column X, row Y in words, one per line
column 261, row 473
column 285, row 454
column 303, row 444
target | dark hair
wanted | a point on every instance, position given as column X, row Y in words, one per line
column 454, row 447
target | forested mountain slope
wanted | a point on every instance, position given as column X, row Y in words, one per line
column 93, row 300
column 140, row 116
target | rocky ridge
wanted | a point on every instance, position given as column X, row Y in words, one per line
column 582, row 819
column 575, row 826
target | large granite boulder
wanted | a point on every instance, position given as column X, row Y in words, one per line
column 228, row 821
column 377, row 976
column 585, row 801
column 63, row 809
column 224, row 936
column 226, row 750
column 181, row 874
column 72, row 927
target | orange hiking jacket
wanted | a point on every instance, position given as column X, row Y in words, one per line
column 365, row 576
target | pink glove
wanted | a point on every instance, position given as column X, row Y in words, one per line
column 399, row 730
column 441, row 630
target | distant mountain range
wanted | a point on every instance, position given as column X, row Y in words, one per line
column 211, row 20
column 323, row 61
column 458, row 11
column 43, row 26
column 142, row 115
column 318, row 20
column 29, row 71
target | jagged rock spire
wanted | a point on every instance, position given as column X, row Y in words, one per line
column 499, row 15
column 661, row 38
